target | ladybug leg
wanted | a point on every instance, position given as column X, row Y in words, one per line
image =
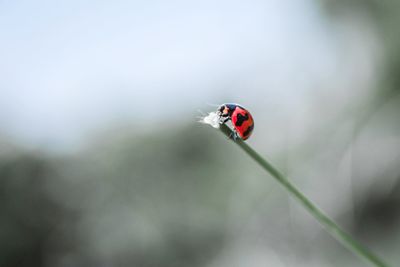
column 223, row 120
column 234, row 135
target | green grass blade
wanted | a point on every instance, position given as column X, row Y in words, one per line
column 328, row 224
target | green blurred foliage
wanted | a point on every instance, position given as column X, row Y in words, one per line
column 29, row 217
column 384, row 16
column 153, row 200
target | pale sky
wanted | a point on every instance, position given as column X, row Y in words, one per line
column 68, row 67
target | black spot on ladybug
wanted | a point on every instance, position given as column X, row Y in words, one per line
column 241, row 119
column 248, row 131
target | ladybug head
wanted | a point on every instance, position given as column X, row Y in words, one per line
column 226, row 110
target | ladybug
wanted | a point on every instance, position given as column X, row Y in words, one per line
column 242, row 121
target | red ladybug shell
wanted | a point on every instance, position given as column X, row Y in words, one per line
column 243, row 122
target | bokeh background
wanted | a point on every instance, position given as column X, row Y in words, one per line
column 102, row 162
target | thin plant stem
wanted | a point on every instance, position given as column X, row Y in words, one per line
column 329, row 225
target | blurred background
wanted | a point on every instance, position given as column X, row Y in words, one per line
column 102, row 162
